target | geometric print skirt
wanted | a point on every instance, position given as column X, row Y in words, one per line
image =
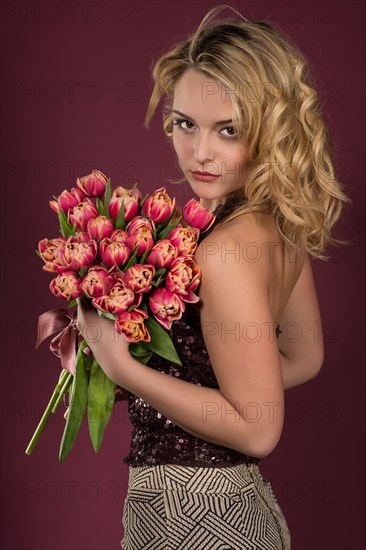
column 177, row 507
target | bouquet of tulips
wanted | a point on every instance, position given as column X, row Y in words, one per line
column 131, row 258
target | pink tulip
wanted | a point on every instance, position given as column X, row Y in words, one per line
column 166, row 306
column 183, row 278
column 113, row 252
column 162, row 254
column 77, row 253
column 198, row 216
column 159, row 206
column 140, row 231
column 139, row 222
column 143, row 238
column 119, row 235
column 100, row 227
column 138, row 277
column 66, row 285
column 93, row 184
column 54, row 205
column 49, row 250
column 69, row 199
column 97, row 282
column 184, row 239
column 82, row 236
column 82, row 213
column 131, row 201
column 131, row 324
column 119, row 299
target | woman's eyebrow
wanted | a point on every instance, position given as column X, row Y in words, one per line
column 190, row 118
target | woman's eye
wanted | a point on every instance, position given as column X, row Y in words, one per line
column 181, row 121
column 231, row 128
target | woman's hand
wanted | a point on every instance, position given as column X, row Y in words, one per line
column 99, row 331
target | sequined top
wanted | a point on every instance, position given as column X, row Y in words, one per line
column 157, row 440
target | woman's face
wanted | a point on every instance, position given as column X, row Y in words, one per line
column 202, row 142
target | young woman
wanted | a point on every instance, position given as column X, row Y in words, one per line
column 240, row 108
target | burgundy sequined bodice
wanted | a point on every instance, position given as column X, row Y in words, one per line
column 157, row 440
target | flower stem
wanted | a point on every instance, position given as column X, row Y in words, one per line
column 65, row 387
column 56, row 392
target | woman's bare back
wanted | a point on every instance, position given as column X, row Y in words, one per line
column 285, row 264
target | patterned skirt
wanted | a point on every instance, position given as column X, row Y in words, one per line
column 176, row 507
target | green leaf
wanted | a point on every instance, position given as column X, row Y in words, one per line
column 110, row 316
column 72, row 303
column 161, row 343
column 143, row 201
column 145, row 255
column 100, row 404
column 160, row 271
column 107, row 198
column 77, row 405
column 162, row 225
column 120, row 220
column 131, row 260
column 165, row 232
column 100, row 206
column 54, row 197
column 82, row 272
column 139, row 349
column 158, row 282
column 145, row 359
column 66, row 228
column 38, row 254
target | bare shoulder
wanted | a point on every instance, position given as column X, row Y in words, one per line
column 250, row 248
column 248, row 240
column 237, row 322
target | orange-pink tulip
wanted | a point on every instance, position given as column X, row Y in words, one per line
column 159, row 206
column 49, row 250
column 162, row 254
column 131, row 324
column 166, row 306
column 198, row 216
column 82, row 213
column 100, row 227
column 119, row 299
column 131, row 201
column 68, row 199
column 184, row 239
column 138, row 277
column 183, row 278
column 97, row 282
column 113, row 252
column 93, row 184
column 119, row 235
column 141, row 237
column 66, row 285
column 77, row 252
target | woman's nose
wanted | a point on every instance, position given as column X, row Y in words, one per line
column 203, row 151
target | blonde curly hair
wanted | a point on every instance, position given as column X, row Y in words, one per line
column 277, row 114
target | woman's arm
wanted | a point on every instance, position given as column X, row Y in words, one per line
column 301, row 343
column 246, row 413
column 201, row 411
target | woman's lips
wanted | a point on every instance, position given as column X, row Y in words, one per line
column 202, row 176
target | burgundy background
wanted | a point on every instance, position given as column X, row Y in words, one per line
column 103, row 52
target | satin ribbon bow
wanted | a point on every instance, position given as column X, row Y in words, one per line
column 64, row 343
